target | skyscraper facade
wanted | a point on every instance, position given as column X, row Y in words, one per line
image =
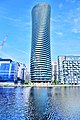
column 40, row 66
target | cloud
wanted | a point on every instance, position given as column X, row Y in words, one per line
column 19, row 50
column 76, row 20
column 5, row 55
column 75, row 30
column 21, row 23
column 17, row 58
column 78, row 8
column 59, row 33
column 9, row 18
column 22, row 51
column 3, row 10
column 53, row 43
column 67, row 0
column 73, row 20
column 28, row 23
column 17, row 22
column 60, row 6
column 53, row 20
column 4, row 14
column 68, row 49
column 73, row 1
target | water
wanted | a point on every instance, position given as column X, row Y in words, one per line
column 26, row 103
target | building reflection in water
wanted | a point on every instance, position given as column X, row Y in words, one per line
column 35, row 103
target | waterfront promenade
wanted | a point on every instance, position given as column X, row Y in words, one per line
column 6, row 84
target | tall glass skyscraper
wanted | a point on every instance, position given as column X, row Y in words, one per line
column 40, row 66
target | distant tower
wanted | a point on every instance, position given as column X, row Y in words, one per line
column 40, row 64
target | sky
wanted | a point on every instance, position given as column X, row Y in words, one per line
column 16, row 21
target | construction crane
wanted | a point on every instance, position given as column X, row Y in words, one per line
column 1, row 45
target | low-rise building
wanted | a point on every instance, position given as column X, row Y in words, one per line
column 7, row 70
column 54, row 71
column 69, row 69
column 21, row 71
column 11, row 71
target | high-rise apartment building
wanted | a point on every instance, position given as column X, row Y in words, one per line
column 40, row 64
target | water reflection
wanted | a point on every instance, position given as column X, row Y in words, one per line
column 57, row 103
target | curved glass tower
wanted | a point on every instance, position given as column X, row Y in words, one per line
column 40, row 64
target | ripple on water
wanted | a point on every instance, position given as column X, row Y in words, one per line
column 40, row 103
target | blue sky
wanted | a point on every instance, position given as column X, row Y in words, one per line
column 16, row 21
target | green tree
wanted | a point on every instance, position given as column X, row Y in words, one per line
column 56, row 82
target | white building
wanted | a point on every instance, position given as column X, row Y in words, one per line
column 69, row 69
column 22, row 71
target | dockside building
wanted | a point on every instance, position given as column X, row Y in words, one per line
column 69, row 69
column 40, row 63
column 11, row 71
